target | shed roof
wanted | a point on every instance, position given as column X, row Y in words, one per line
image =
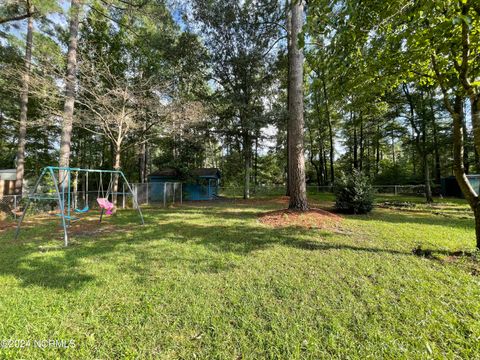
column 166, row 173
column 8, row 174
column 200, row 172
column 206, row 172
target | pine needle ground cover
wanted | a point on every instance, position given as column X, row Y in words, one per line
column 212, row 281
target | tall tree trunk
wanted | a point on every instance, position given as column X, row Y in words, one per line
column 377, row 151
column 66, row 137
column 414, row 153
column 255, row 175
column 477, row 161
column 287, row 169
column 117, row 166
column 466, row 147
column 362, row 149
column 458, row 167
column 394, row 158
column 142, row 161
column 436, row 150
column 322, row 161
column 22, row 133
column 312, row 160
column 332, row 152
column 355, row 146
column 325, row 167
column 420, row 139
column 428, row 188
column 330, row 130
column 143, row 158
column 368, row 167
column 475, row 115
column 247, row 166
column 426, row 168
column 298, row 192
column 289, row 50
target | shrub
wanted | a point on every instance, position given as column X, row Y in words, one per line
column 353, row 193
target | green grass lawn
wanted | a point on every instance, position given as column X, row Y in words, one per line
column 212, row 282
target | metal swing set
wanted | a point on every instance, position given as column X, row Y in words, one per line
column 65, row 193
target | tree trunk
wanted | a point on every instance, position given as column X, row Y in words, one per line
column 143, row 162
column 466, row 146
column 362, row 149
column 116, row 166
column 458, row 167
column 368, row 166
column 377, row 151
column 332, row 152
column 475, row 112
column 330, row 130
column 322, row 161
column 287, row 190
column 436, row 151
column 69, row 105
column 475, row 115
column 247, row 166
column 255, row 175
column 393, row 150
column 246, row 180
column 414, row 153
column 143, row 158
column 420, row 134
column 315, row 165
column 325, row 167
column 477, row 161
column 24, row 108
column 355, row 146
column 426, row 167
column 298, row 193
column 428, row 188
column 289, row 50
column 311, row 157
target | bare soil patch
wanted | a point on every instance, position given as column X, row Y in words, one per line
column 6, row 224
column 314, row 218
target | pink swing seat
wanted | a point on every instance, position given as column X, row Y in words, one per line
column 105, row 204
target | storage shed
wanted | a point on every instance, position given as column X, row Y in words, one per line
column 162, row 184
column 450, row 185
column 199, row 184
column 203, row 184
column 7, row 181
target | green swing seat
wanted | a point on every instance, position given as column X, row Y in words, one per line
column 82, row 211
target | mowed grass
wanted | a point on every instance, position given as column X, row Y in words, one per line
column 210, row 281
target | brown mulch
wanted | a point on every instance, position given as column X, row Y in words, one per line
column 312, row 219
column 5, row 225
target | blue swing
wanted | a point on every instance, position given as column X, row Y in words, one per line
column 86, row 208
column 81, row 211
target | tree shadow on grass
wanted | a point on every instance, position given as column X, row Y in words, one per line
column 165, row 241
column 399, row 217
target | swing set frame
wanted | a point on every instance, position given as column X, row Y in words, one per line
column 63, row 193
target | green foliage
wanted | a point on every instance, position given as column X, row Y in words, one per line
column 353, row 193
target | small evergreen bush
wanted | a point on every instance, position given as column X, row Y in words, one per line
column 353, row 193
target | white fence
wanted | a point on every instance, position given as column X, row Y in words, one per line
column 165, row 193
column 9, row 203
column 14, row 204
column 264, row 190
